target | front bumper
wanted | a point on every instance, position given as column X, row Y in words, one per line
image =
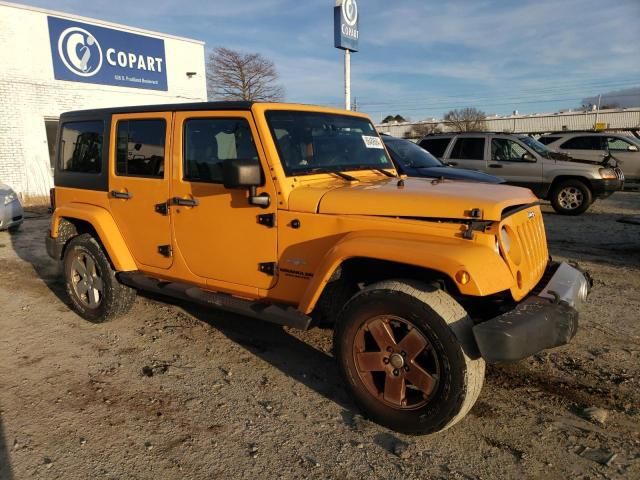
column 605, row 187
column 11, row 215
column 546, row 320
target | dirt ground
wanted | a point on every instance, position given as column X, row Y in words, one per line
column 175, row 391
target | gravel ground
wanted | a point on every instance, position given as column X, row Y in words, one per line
column 175, row 391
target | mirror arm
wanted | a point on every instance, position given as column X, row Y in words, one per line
column 263, row 200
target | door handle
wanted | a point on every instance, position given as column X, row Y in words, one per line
column 495, row 165
column 184, row 202
column 122, row 195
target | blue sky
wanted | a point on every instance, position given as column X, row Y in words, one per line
column 419, row 58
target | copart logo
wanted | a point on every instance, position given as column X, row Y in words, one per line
column 350, row 12
column 80, row 51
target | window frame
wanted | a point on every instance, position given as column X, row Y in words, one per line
column 184, row 147
column 453, row 146
column 164, row 148
column 59, row 165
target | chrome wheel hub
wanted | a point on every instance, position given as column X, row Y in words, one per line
column 570, row 198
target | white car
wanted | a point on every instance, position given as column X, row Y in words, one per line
column 595, row 146
column 11, row 213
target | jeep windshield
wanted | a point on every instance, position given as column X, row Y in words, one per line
column 311, row 142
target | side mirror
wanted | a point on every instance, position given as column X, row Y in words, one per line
column 632, row 148
column 527, row 157
column 245, row 173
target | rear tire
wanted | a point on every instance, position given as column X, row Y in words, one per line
column 427, row 375
column 571, row 197
column 91, row 283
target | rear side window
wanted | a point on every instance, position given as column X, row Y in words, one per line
column 583, row 143
column 140, row 149
column 548, row 140
column 468, row 149
column 435, row 146
column 81, row 147
column 208, row 142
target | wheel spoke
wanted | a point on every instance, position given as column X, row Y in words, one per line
column 394, row 389
column 370, row 361
column 420, row 379
column 382, row 334
column 413, row 343
column 91, row 265
column 79, row 267
column 97, row 283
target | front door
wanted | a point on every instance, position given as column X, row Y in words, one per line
column 139, row 182
column 508, row 155
column 220, row 236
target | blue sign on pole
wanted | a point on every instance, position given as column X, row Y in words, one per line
column 346, row 29
column 88, row 53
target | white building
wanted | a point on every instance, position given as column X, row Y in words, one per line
column 52, row 62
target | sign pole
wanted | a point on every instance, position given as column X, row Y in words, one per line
column 347, row 79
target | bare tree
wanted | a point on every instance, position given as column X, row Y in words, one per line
column 420, row 130
column 233, row 75
column 466, row 120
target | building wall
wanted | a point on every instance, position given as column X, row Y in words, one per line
column 29, row 93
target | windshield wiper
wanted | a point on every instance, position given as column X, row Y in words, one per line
column 384, row 172
column 343, row 175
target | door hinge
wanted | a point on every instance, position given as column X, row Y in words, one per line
column 162, row 208
column 267, row 267
column 268, row 220
column 165, row 250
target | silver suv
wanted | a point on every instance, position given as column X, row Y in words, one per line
column 595, row 146
column 571, row 185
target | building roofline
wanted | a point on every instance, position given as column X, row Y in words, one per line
column 95, row 21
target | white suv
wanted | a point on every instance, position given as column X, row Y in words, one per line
column 596, row 145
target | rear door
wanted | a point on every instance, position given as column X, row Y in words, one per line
column 508, row 162
column 139, row 181
column 469, row 152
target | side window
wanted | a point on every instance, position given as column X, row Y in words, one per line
column 468, row 149
column 81, row 147
column 548, row 140
column 208, row 142
column 506, row 150
column 618, row 144
column 435, row 146
column 140, row 148
column 583, row 143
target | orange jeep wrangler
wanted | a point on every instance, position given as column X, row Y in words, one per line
column 296, row 215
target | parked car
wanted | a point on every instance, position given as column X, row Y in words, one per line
column 571, row 185
column 295, row 213
column 595, row 146
column 414, row 161
column 11, row 213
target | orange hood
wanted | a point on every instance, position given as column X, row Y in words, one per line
column 417, row 198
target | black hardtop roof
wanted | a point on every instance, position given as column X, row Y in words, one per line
column 167, row 107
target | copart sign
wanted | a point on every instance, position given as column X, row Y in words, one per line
column 346, row 30
column 88, row 53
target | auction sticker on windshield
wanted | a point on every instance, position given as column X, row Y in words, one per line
column 372, row 142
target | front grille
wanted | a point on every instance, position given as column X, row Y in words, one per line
column 528, row 254
column 619, row 173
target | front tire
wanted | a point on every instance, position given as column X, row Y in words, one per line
column 91, row 283
column 571, row 197
column 407, row 355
